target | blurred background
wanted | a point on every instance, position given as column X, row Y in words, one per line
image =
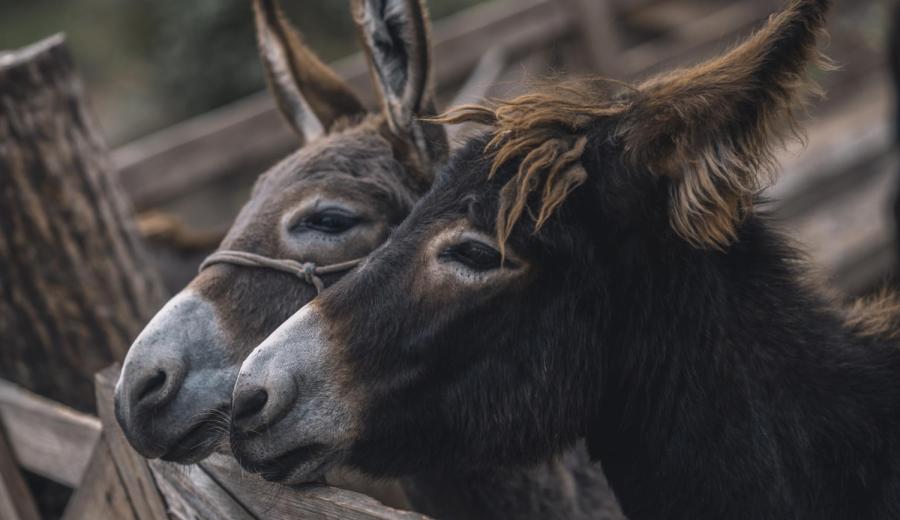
column 151, row 63
column 178, row 92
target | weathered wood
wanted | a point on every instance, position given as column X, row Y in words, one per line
column 191, row 493
column 836, row 190
column 699, row 39
column 267, row 500
column 102, row 494
column 475, row 90
column 595, row 21
column 140, row 485
column 47, row 438
column 16, row 502
column 165, row 228
column 74, row 287
column 488, row 69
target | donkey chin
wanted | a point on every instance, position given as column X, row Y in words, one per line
column 289, row 423
column 172, row 398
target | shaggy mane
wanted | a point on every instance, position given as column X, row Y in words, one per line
column 876, row 316
column 546, row 130
column 712, row 129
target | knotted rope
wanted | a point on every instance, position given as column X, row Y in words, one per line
column 309, row 272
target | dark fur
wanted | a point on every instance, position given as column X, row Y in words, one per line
column 713, row 382
column 710, row 384
column 383, row 161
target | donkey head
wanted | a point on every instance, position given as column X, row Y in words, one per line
column 356, row 176
column 497, row 323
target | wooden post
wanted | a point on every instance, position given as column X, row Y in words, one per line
column 102, row 494
column 16, row 502
column 141, row 487
column 74, row 286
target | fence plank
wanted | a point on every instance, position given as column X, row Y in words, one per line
column 136, row 475
column 102, row 493
column 16, row 502
column 47, row 438
column 266, row 500
column 697, row 40
column 192, row 493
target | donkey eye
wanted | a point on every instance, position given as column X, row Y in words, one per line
column 329, row 221
column 477, row 256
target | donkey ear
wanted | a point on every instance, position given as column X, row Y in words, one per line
column 396, row 36
column 712, row 129
column 309, row 94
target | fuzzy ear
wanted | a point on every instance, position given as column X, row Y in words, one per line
column 309, row 94
column 396, row 36
column 712, row 129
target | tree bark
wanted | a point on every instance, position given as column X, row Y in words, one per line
column 74, row 284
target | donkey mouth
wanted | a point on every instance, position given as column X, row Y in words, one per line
column 301, row 465
column 198, row 442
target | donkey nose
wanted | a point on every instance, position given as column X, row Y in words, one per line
column 157, row 384
column 255, row 407
column 248, row 405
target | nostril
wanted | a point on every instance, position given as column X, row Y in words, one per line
column 249, row 404
column 152, row 385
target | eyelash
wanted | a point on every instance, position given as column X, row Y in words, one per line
column 341, row 222
column 467, row 253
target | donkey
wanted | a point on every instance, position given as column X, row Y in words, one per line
column 330, row 203
column 596, row 266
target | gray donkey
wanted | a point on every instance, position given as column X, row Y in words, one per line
column 310, row 219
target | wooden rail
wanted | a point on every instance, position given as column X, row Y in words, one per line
column 113, row 481
column 47, row 438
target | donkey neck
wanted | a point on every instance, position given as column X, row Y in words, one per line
column 735, row 391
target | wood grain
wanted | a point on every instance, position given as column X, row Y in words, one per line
column 47, row 438
column 102, row 494
column 271, row 501
column 16, row 502
column 192, row 493
column 74, row 285
column 140, row 485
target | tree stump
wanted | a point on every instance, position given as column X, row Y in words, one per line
column 75, row 288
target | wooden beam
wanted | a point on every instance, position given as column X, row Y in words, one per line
column 697, row 40
column 596, row 22
column 16, row 502
column 479, row 83
column 192, row 493
column 140, row 485
column 102, row 493
column 266, row 500
column 836, row 191
column 47, row 438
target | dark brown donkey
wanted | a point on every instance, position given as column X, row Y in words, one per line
column 595, row 267
column 332, row 202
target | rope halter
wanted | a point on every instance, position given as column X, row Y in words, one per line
column 309, row 272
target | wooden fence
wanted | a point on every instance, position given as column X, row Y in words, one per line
column 113, row 481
